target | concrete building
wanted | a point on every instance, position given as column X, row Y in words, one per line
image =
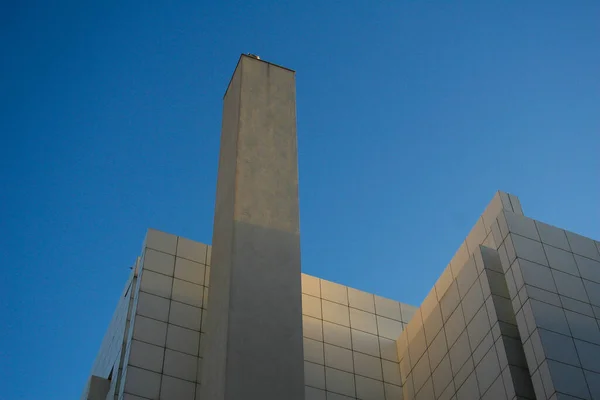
column 514, row 315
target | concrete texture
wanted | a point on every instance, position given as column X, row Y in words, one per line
column 255, row 304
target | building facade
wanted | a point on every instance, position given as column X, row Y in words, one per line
column 514, row 315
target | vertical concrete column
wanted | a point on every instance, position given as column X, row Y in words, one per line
column 253, row 348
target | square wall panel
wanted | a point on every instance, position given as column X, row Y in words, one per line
column 421, row 372
column 502, row 308
column 391, row 372
column 389, row 328
column 549, row 317
column 417, row 347
column 152, row 306
column 553, row 236
column 449, row 301
column 337, row 335
column 577, row 306
column 180, row 365
column 314, row 375
column 593, row 381
column 370, row 344
column 190, row 271
column 389, row 349
column 433, row 323
column 157, row 284
column 387, row 308
column 366, row 365
column 482, row 348
column 334, row 292
column 150, row 331
column 311, row 306
column 338, row 357
column 160, row 262
column 361, row 300
column 363, row 321
column 478, row 327
column 143, row 383
column 561, row 260
column 183, row 340
column 185, row 315
column 568, row 379
column 336, row 313
column 312, row 328
column 463, row 372
column 313, row 351
column 161, row 241
column 146, row 356
column 583, row 327
column 187, row 292
column 472, row 301
column 426, row 391
column 442, row 375
column 467, row 276
column 558, row 347
column 537, row 275
column 529, row 249
column 460, row 258
column 437, row 350
column 522, row 225
column 174, row 388
column 589, row 355
column 454, row 326
column 498, row 282
column 191, row 250
column 570, row 286
column 543, row 295
column 340, row 382
column 588, row 268
column 583, row 246
column 469, row 389
column 311, row 285
column 369, row 389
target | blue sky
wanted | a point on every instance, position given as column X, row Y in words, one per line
column 410, row 116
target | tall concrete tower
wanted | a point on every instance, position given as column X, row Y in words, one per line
column 514, row 315
column 254, row 335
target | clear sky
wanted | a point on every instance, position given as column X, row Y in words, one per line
column 411, row 114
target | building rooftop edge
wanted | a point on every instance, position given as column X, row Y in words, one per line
column 253, row 58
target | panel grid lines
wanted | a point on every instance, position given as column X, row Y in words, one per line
column 165, row 347
column 346, row 376
column 568, row 325
column 547, row 304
